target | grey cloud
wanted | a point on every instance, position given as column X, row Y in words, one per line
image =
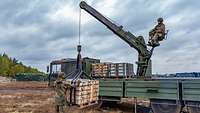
column 95, row 28
column 22, row 12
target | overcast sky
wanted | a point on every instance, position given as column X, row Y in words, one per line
column 39, row 31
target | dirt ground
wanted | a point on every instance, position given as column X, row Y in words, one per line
column 36, row 97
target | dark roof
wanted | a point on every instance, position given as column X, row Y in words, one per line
column 63, row 61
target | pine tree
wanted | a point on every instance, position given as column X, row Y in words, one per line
column 10, row 67
column 4, row 65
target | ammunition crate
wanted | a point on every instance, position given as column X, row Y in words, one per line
column 121, row 70
column 86, row 92
column 100, row 70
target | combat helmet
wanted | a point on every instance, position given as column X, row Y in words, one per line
column 61, row 75
column 160, row 19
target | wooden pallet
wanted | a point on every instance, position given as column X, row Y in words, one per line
column 100, row 69
column 121, row 70
column 86, row 92
column 87, row 104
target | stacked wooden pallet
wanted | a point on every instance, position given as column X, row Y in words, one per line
column 124, row 70
column 86, row 92
column 112, row 70
column 100, row 69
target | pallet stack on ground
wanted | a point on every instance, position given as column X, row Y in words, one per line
column 122, row 70
column 100, row 70
column 86, row 92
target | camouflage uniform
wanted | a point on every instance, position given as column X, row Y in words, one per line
column 60, row 90
column 158, row 33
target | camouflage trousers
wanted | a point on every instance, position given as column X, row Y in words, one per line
column 154, row 39
column 158, row 37
column 62, row 108
column 59, row 108
column 59, row 103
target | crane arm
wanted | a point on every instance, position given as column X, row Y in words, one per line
column 128, row 37
column 137, row 43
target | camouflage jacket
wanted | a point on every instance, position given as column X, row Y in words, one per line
column 60, row 90
column 160, row 28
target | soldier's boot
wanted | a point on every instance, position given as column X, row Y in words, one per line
column 67, row 108
column 150, row 42
column 156, row 43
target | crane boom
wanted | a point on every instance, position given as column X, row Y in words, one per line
column 137, row 43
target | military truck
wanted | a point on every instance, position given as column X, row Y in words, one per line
column 67, row 66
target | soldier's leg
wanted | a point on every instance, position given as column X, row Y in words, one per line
column 160, row 37
column 155, row 40
column 67, row 108
column 61, row 109
column 151, row 35
column 57, row 108
column 152, row 32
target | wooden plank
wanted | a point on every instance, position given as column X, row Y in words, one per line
column 87, row 104
column 87, row 91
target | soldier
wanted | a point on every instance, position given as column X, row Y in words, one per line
column 157, row 33
column 60, row 90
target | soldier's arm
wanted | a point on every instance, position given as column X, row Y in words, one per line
column 155, row 27
column 64, row 86
column 54, row 84
column 162, row 28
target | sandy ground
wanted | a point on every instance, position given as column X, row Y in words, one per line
column 36, row 97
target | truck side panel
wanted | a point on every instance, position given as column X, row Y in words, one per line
column 191, row 90
column 152, row 89
column 113, row 88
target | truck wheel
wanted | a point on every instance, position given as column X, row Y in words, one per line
column 104, row 103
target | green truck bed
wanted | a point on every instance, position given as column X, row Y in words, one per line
column 113, row 88
column 189, row 90
column 152, row 89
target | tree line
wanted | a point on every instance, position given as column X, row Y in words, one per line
column 9, row 67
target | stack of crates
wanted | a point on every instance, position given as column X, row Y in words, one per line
column 121, row 70
column 112, row 70
column 100, row 70
column 85, row 91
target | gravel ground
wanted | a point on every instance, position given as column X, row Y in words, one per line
column 36, row 97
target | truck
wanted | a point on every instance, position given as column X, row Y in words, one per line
column 166, row 95
column 68, row 65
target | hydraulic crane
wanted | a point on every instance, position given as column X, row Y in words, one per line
column 166, row 96
column 144, row 57
column 138, row 43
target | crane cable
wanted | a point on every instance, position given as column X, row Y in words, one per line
column 79, row 27
column 78, row 61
